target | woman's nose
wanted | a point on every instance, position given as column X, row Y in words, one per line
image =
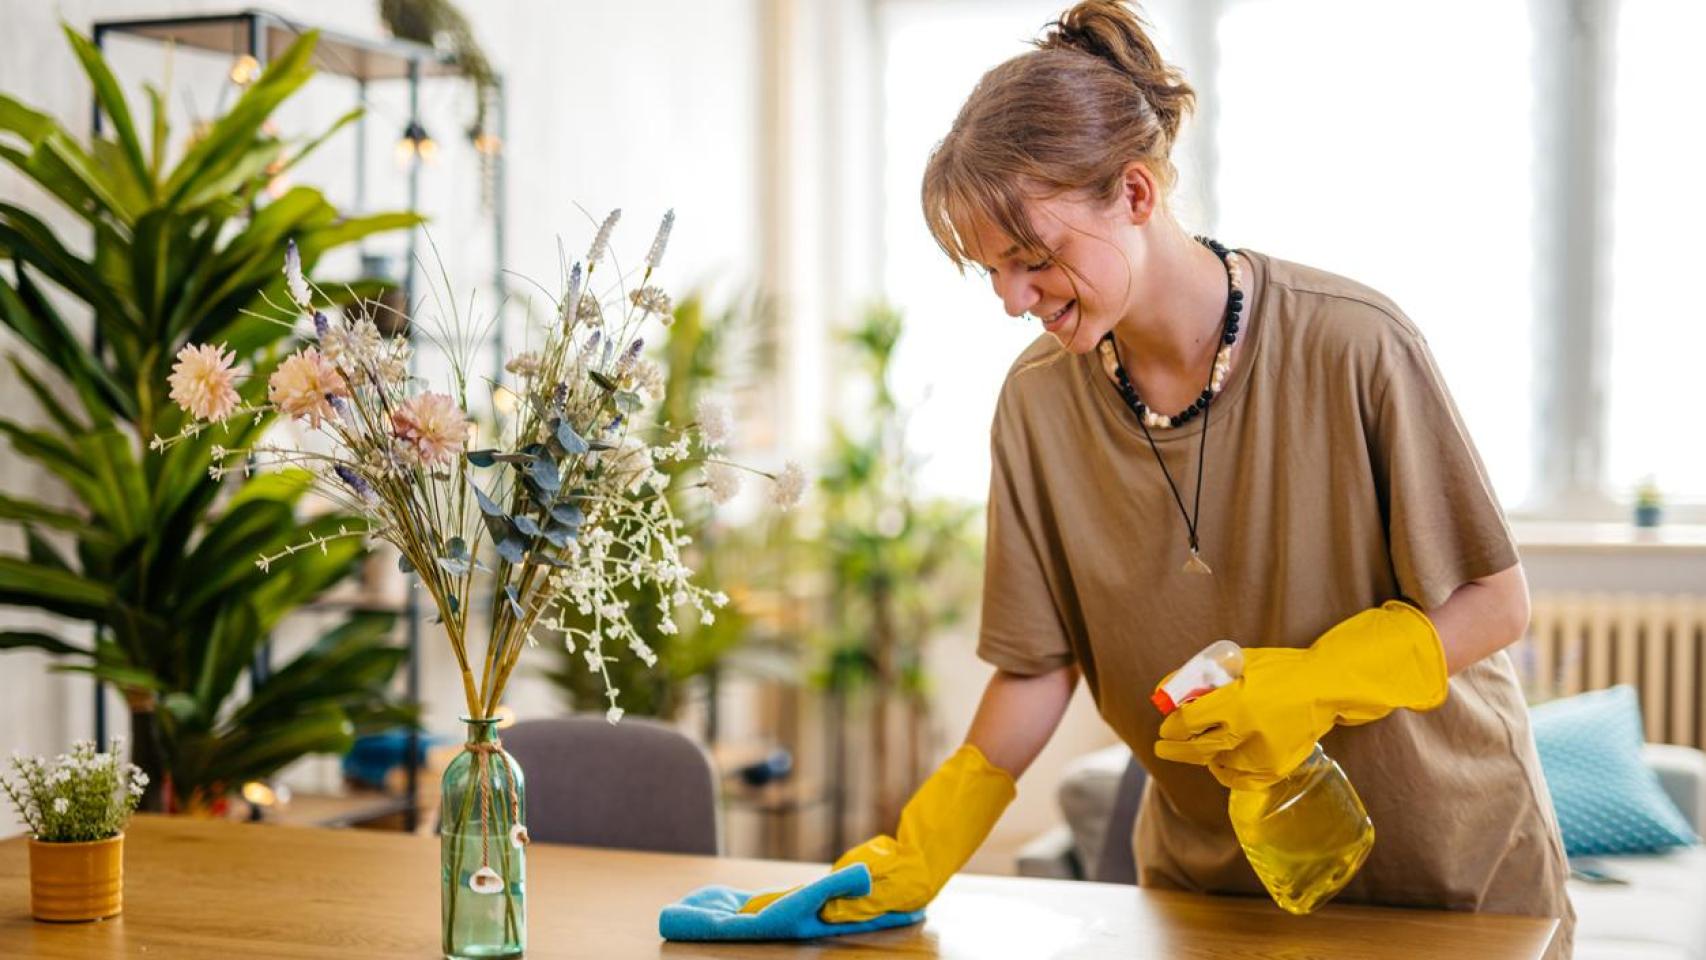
column 1018, row 294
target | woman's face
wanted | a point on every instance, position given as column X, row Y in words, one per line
column 1076, row 306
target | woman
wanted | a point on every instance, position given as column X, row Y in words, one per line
column 1209, row 443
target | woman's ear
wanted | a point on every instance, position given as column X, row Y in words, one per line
column 1139, row 193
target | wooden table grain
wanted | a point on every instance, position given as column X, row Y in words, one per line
column 208, row 890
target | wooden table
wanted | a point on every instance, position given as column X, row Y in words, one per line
column 207, row 890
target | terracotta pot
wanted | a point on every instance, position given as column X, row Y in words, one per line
column 77, row 881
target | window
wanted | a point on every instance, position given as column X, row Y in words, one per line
column 1658, row 201
column 1396, row 152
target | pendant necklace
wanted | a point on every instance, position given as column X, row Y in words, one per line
column 1147, row 418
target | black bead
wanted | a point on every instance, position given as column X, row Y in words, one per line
column 1202, row 402
column 1237, row 295
column 1228, row 339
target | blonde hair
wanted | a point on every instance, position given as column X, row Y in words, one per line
column 1066, row 117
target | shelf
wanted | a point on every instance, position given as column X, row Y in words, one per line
column 346, row 55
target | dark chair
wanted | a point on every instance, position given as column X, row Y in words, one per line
column 636, row 785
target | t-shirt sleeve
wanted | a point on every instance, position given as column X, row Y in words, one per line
column 1021, row 630
column 1444, row 524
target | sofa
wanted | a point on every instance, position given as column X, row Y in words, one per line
column 1628, row 907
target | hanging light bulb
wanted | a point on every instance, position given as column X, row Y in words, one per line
column 416, row 143
column 488, row 144
column 244, row 70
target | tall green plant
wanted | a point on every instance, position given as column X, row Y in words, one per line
column 899, row 567
column 155, row 553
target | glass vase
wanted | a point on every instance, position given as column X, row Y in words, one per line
column 482, row 854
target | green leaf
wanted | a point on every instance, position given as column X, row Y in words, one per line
column 481, row 458
column 57, row 591
column 569, row 440
column 512, row 549
column 315, row 144
column 31, row 125
column 47, row 643
column 111, row 99
column 232, row 134
column 29, row 511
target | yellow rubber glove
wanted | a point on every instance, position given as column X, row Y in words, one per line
column 940, row 828
column 1262, row 726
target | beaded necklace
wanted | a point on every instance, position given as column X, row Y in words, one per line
column 1147, row 418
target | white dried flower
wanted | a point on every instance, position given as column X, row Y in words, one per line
column 293, row 279
column 601, row 242
column 649, row 379
column 614, row 714
column 723, row 482
column 590, row 312
column 790, row 486
column 60, row 805
column 524, row 364
column 486, row 881
column 660, row 241
column 653, row 300
column 714, row 422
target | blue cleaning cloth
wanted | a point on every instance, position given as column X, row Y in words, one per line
column 713, row 913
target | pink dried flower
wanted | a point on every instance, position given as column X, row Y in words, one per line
column 431, row 427
column 303, row 384
column 203, row 382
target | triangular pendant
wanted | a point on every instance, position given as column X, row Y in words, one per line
column 1196, row 564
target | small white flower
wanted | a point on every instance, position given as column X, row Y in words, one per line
column 601, row 242
column 518, row 837
column 653, row 300
column 723, row 483
column 714, row 422
column 790, row 486
column 614, row 714
column 60, row 804
column 661, row 241
column 523, row 364
column 486, row 881
column 293, row 278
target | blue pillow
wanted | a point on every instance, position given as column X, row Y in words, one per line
column 1607, row 799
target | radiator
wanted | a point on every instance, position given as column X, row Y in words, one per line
column 1590, row 641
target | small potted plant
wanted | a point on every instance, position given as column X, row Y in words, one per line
column 1649, row 503
column 75, row 808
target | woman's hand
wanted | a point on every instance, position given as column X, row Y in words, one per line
column 1261, row 727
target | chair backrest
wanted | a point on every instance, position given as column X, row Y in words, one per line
column 636, row 785
column 1117, row 863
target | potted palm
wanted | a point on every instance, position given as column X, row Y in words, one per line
column 75, row 808
column 152, row 551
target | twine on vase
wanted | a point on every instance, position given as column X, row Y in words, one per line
column 483, row 753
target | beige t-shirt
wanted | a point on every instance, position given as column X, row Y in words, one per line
column 1338, row 475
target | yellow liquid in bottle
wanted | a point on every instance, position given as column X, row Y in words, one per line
column 1305, row 836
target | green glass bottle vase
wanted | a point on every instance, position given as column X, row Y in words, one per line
column 482, row 856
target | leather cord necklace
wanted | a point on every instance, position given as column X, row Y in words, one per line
column 1147, row 418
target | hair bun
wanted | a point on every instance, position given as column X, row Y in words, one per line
column 1111, row 31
